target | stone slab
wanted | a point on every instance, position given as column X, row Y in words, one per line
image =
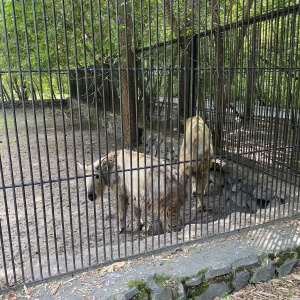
column 192, row 260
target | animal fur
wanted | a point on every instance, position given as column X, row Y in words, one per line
column 197, row 145
column 143, row 187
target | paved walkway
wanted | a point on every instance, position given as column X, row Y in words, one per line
column 184, row 261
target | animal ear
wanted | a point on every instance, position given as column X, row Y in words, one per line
column 103, row 162
column 97, row 165
column 80, row 166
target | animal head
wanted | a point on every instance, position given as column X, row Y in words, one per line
column 94, row 187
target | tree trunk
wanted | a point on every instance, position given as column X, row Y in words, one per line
column 185, row 79
column 127, row 78
column 234, row 57
column 250, row 92
column 185, row 61
column 219, row 78
column 222, row 87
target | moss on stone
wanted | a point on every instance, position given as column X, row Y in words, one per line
column 162, row 281
column 197, row 290
column 225, row 295
column 201, row 272
column 272, row 256
column 185, row 278
column 166, row 282
column 283, row 257
column 298, row 251
column 141, row 286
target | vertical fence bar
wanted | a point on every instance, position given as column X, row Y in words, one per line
column 63, row 114
column 100, row 155
column 12, row 176
column 10, row 237
column 96, row 100
column 3, row 251
column 75, row 66
column 258, row 144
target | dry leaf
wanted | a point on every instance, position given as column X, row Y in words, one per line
column 176, row 250
column 26, row 290
column 296, row 276
column 119, row 265
column 12, row 294
column 111, row 268
column 276, row 281
column 54, row 290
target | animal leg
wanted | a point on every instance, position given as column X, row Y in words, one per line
column 137, row 217
column 122, row 206
column 203, row 179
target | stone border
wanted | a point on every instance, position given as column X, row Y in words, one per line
column 219, row 281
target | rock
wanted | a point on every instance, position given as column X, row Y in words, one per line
column 246, row 262
column 157, row 292
column 163, row 147
column 131, row 293
column 164, row 294
column 240, row 199
column 217, row 177
column 180, row 291
column 115, row 297
column 154, row 150
column 227, row 193
column 263, row 273
column 283, row 192
column 214, row 290
column 236, row 186
column 229, row 179
column 195, row 281
column 247, row 188
column 287, row 267
column 275, row 202
column 263, row 192
column 220, row 268
column 252, row 204
column 168, row 156
column 241, row 280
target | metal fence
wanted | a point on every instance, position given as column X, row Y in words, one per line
column 82, row 81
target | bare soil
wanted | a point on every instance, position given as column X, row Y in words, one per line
column 47, row 224
column 46, row 218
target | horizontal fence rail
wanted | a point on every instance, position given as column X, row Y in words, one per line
column 128, row 127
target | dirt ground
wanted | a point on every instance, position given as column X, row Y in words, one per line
column 46, row 219
column 47, row 225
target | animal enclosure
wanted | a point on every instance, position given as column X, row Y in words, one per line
column 87, row 79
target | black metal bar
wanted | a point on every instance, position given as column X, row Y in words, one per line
column 74, row 136
column 244, row 23
column 76, row 50
column 67, row 163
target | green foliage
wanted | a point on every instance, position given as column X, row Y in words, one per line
column 198, row 290
column 298, row 251
column 162, row 281
column 141, row 286
column 225, row 295
column 272, row 256
column 282, row 257
column 43, row 37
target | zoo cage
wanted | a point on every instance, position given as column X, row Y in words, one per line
column 80, row 80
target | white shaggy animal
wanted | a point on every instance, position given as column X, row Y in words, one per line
column 147, row 185
column 197, row 145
